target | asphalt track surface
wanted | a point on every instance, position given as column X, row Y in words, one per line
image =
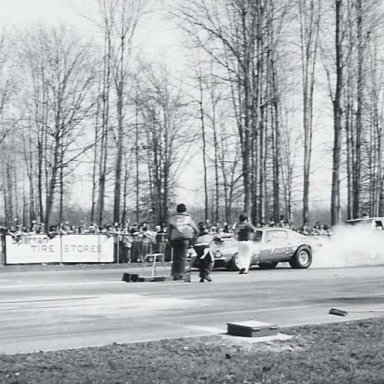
column 82, row 308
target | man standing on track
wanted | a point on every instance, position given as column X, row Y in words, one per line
column 244, row 237
column 203, row 250
column 181, row 230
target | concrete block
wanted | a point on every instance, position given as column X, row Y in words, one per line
column 252, row 329
column 130, row 277
column 337, row 312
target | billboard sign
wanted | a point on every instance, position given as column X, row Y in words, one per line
column 32, row 249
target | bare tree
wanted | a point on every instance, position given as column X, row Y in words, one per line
column 8, row 124
column 229, row 27
column 106, row 9
column 376, row 120
column 124, row 19
column 6, row 88
column 60, row 75
column 310, row 16
column 204, row 140
column 163, row 112
column 335, row 67
column 337, row 116
column 242, row 37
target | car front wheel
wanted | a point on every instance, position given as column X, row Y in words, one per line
column 302, row 258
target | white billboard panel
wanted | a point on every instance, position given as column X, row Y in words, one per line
column 32, row 249
column 87, row 249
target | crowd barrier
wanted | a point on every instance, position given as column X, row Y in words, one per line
column 134, row 249
column 80, row 248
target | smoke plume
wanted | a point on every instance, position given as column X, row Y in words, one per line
column 350, row 246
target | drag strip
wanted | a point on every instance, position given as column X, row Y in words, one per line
column 51, row 311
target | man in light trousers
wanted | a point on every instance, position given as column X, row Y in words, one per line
column 245, row 232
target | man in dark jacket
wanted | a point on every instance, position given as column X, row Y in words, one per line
column 203, row 251
column 181, row 230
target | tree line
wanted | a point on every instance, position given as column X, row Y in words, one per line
column 261, row 77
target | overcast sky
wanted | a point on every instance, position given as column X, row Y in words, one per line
column 156, row 37
column 29, row 11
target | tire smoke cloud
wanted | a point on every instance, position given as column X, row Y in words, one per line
column 350, row 246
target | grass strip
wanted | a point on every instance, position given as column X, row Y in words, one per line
column 345, row 352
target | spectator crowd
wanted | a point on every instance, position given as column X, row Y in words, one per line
column 134, row 241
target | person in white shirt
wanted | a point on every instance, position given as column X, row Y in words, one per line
column 244, row 231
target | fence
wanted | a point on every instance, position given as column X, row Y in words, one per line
column 134, row 248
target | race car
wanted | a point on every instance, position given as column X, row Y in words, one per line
column 270, row 246
column 368, row 222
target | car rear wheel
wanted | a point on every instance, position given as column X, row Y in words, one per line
column 302, row 258
column 234, row 263
column 268, row 265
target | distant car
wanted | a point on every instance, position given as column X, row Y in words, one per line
column 271, row 246
column 371, row 222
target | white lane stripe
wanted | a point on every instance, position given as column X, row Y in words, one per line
column 60, row 285
column 206, row 329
